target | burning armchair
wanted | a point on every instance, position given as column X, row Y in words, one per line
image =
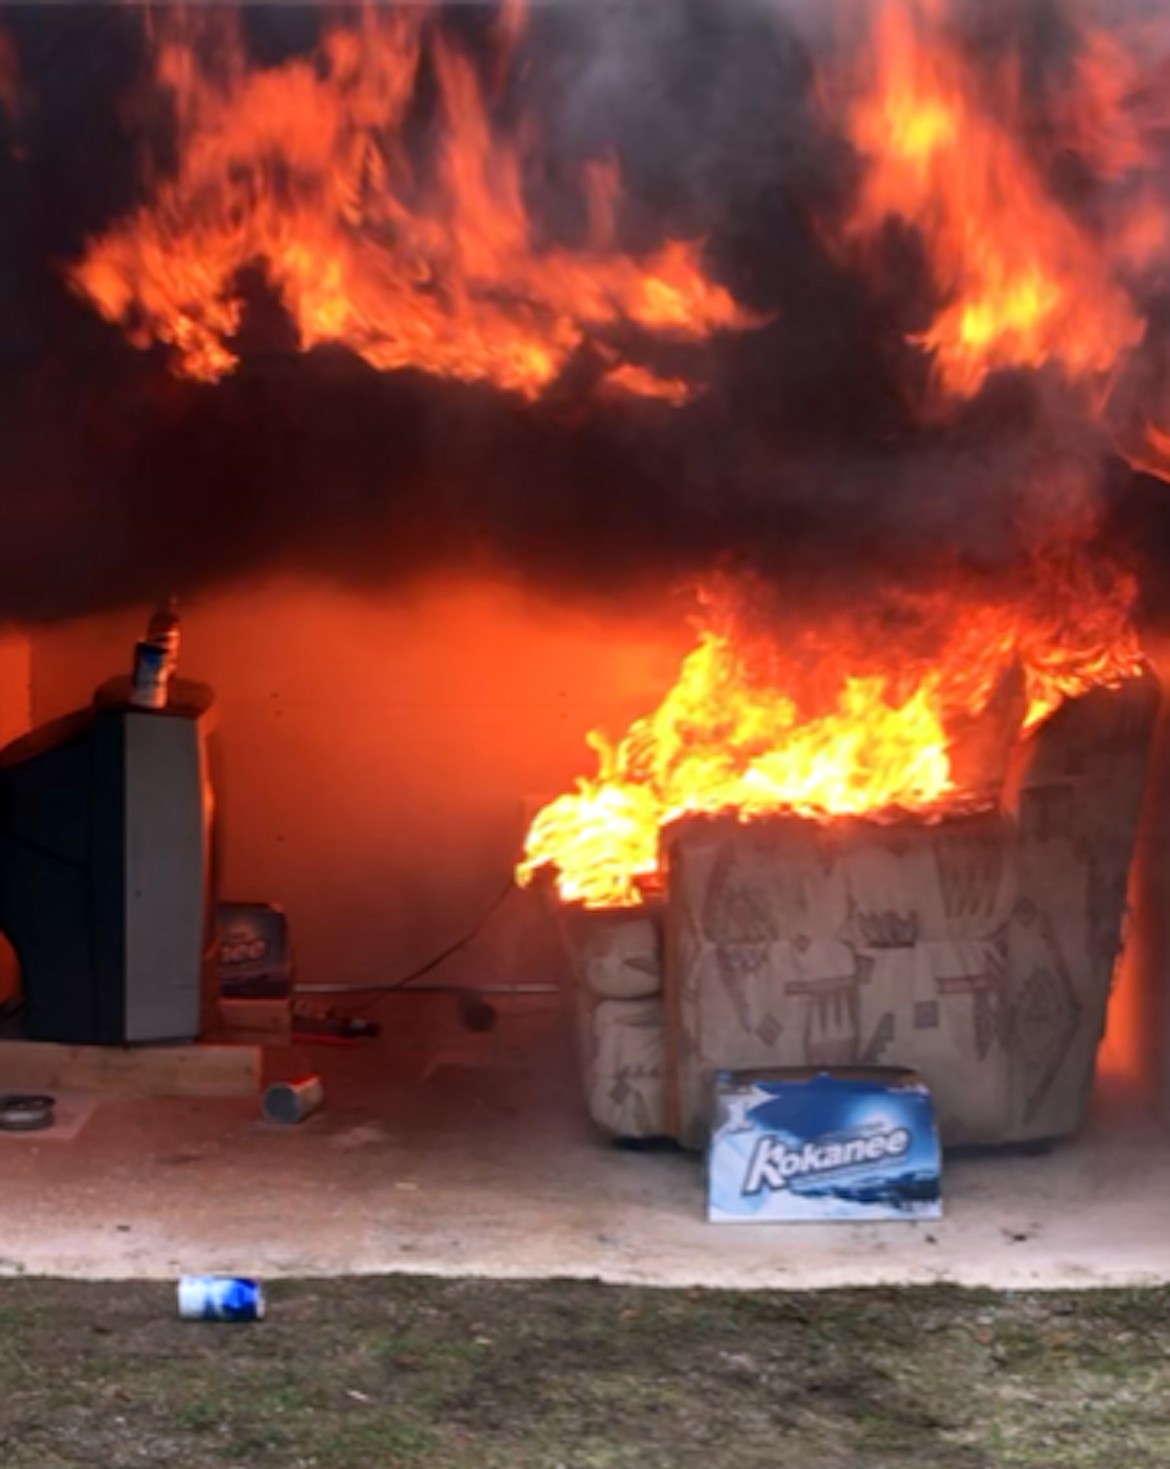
column 977, row 947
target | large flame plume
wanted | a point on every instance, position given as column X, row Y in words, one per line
column 1019, row 282
column 1034, row 204
column 1042, row 213
column 882, row 725
column 433, row 260
column 911, row 714
column 303, row 170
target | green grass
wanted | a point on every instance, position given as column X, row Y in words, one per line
column 377, row 1374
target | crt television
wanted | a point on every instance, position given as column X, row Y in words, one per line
column 107, row 871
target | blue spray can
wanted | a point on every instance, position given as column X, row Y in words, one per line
column 148, row 684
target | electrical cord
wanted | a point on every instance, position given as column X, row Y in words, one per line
column 381, row 988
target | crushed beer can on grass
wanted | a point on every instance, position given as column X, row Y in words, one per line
column 220, row 1298
column 839, row 1144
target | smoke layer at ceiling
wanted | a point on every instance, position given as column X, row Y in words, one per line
column 813, row 453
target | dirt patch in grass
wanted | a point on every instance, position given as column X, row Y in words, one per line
column 374, row 1374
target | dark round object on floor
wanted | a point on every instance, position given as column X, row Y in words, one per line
column 475, row 1012
column 20, row 1113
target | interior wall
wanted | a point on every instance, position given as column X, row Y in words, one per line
column 378, row 757
column 15, row 718
column 15, row 685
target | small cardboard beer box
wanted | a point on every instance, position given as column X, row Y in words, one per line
column 855, row 1144
column 253, row 951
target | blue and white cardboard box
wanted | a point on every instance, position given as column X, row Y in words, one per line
column 854, row 1144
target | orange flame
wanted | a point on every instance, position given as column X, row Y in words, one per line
column 826, row 724
column 303, row 170
column 630, row 377
column 1020, row 283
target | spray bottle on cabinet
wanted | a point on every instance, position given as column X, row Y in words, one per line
column 156, row 657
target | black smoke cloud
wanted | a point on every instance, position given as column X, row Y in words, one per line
column 805, row 458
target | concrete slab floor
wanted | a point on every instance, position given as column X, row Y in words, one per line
column 444, row 1152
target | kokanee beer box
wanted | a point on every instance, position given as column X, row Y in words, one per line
column 847, row 1144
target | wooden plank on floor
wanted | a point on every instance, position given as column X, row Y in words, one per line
column 262, row 1022
column 143, row 1071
